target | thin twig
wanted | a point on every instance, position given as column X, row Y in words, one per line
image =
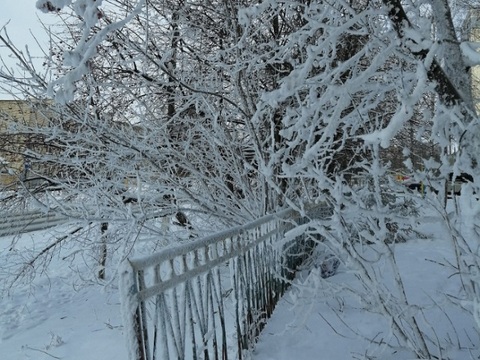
column 42, row 351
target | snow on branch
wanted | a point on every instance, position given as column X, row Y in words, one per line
column 52, row 5
column 402, row 25
column 469, row 51
column 79, row 58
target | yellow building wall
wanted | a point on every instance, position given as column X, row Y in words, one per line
column 15, row 113
column 473, row 30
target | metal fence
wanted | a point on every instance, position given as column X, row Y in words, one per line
column 12, row 224
column 34, row 220
column 209, row 299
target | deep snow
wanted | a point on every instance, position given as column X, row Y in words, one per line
column 55, row 318
column 318, row 321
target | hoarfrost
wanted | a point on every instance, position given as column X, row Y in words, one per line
column 52, row 5
column 470, row 53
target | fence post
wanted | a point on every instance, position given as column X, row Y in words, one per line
column 131, row 311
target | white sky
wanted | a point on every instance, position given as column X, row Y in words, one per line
column 23, row 24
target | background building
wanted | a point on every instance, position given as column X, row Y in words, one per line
column 15, row 117
column 471, row 32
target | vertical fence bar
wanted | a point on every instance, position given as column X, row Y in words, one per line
column 219, row 297
column 142, row 319
column 189, row 298
column 163, row 325
column 186, row 310
column 131, row 311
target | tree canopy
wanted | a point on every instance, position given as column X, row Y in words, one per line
column 222, row 111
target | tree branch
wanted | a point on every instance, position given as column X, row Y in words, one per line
column 446, row 90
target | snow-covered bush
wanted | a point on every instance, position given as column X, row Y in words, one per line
column 226, row 113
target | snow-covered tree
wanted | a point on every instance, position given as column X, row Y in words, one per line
column 218, row 112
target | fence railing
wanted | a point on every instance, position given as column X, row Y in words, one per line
column 12, row 224
column 34, row 220
column 209, row 299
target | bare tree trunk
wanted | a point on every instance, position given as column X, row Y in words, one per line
column 451, row 54
column 103, row 250
column 445, row 88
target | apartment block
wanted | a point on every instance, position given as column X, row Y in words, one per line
column 16, row 116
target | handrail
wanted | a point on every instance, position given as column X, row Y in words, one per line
column 34, row 220
column 19, row 223
column 209, row 299
column 144, row 262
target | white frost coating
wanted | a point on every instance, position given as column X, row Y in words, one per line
column 170, row 253
column 71, row 58
column 417, row 41
column 86, row 49
column 128, row 307
column 402, row 115
column 469, row 53
column 251, row 12
column 88, row 10
column 451, row 51
column 52, row 5
column 295, row 232
column 408, row 163
column 384, row 136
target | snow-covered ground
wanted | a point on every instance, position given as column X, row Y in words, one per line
column 56, row 318
column 314, row 321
